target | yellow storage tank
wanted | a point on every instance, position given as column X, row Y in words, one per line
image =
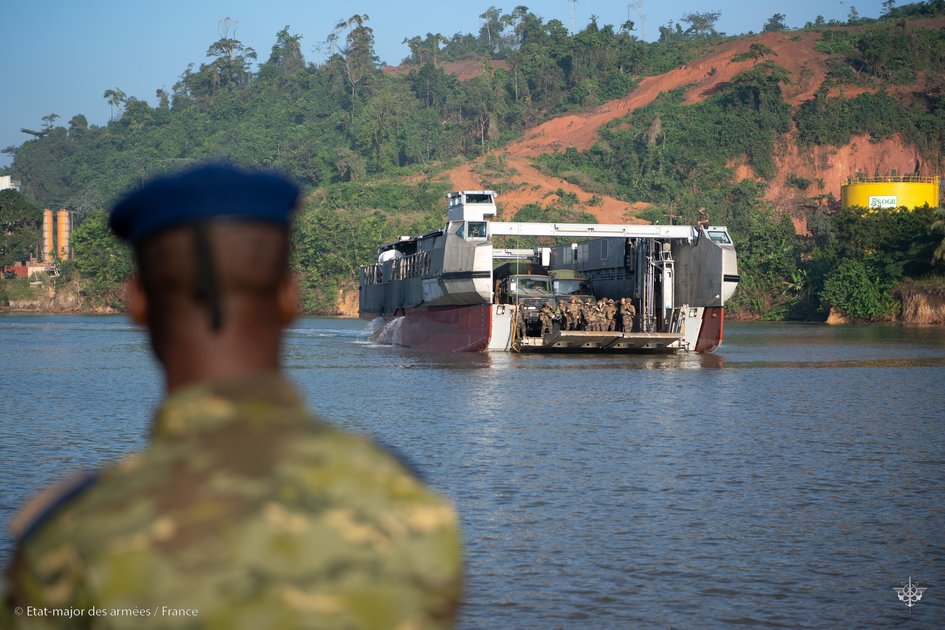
column 890, row 192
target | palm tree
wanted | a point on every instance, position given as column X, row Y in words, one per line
column 115, row 98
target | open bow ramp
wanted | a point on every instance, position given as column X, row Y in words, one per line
column 590, row 341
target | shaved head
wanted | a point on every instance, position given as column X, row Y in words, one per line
column 248, row 261
column 249, row 286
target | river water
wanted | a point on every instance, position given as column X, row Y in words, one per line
column 791, row 479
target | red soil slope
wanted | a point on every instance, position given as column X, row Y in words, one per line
column 826, row 168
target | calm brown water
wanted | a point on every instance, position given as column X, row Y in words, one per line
column 792, row 479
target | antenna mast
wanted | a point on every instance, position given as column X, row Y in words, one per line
column 642, row 17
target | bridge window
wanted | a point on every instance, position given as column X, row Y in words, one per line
column 477, row 229
column 719, row 236
column 478, row 198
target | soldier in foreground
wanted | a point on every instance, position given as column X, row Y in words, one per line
column 244, row 511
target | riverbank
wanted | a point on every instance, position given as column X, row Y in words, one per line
column 17, row 296
column 918, row 306
column 923, row 307
column 70, row 298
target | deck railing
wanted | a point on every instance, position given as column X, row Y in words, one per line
column 892, row 179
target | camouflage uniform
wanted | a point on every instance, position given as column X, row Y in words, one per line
column 609, row 314
column 574, row 313
column 587, row 315
column 629, row 315
column 703, row 220
column 546, row 315
column 594, row 317
column 626, row 322
column 252, row 513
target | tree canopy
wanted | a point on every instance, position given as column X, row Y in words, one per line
column 20, row 223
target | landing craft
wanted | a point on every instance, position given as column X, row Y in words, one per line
column 449, row 290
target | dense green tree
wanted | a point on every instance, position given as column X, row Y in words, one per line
column 938, row 227
column 286, row 53
column 701, row 24
column 767, row 259
column 78, row 125
column 232, row 61
column 775, row 24
column 381, row 122
column 359, row 60
column 230, row 68
column 857, row 293
column 103, row 260
column 20, row 223
column 755, row 52
column 492, row 27
column 927, row 8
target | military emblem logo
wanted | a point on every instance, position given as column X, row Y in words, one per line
column 910, row 593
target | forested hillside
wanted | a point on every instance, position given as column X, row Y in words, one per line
column 760, row 129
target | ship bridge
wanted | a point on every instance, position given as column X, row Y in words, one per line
column 471, row 205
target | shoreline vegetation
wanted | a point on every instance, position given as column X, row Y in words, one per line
column 920, row 303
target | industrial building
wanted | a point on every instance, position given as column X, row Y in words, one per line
column 57, row 243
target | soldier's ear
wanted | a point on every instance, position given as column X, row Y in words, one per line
column 287, row 299
column 137, row 300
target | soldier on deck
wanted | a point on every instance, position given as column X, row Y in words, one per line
column 519, row 321
column 627, row 314
column 244, row 509
column 574, row 313
column 610, row 313
column 561, row 315
column 546, row 315
column 585, row 314
column 600, row 314
column 703, row 220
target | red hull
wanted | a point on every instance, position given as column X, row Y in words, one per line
column 710, row 333
column 447, row 328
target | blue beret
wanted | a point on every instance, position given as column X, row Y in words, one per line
column 203, row 194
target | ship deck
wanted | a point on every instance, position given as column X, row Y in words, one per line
column 593, row 341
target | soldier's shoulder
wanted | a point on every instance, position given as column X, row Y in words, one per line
column 359, row 450
column 49, row 501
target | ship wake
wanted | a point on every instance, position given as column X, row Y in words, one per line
column 386, row 332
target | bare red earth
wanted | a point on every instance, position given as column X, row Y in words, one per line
column 825, row 167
